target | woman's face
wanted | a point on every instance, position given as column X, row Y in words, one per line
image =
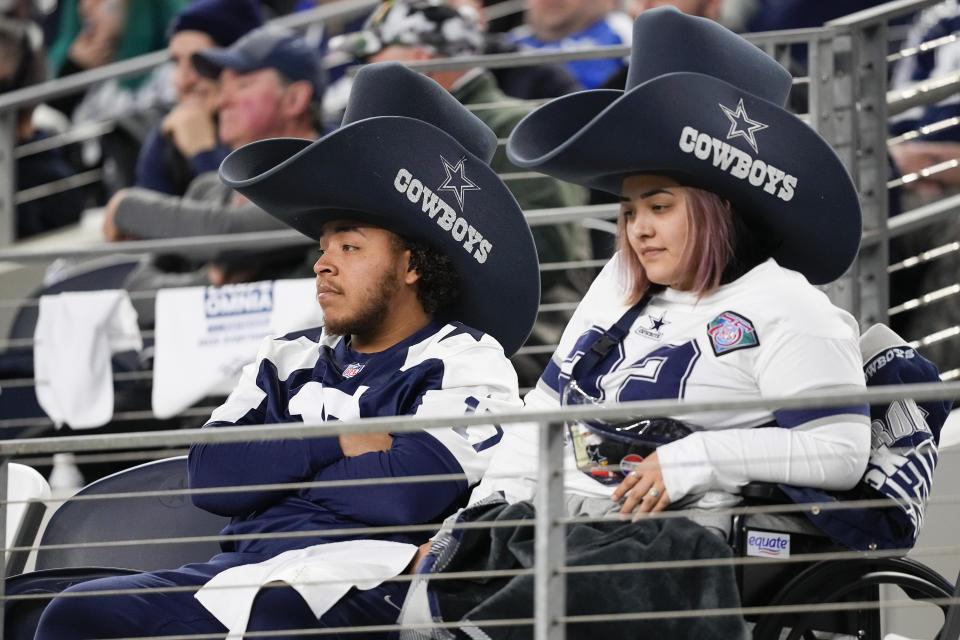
column 654, row 210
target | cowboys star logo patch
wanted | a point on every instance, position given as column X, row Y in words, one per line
column 457, row 181
column 654, row 324
column 741, row 126
column 730, row 331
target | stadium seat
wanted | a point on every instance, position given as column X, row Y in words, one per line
column 23, row 518
column 81, row 520
column 19, row 402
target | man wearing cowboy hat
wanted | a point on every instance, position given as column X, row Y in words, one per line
column 418, row 30
column 428, row 278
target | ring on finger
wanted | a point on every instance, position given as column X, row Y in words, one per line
column 653, row 493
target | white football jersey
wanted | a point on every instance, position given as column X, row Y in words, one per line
column 769, row 333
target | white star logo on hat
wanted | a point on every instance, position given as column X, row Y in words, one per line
column 462, row 183
column 741, row 124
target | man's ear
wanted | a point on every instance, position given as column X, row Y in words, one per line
column 296, row 99
column 411, row 275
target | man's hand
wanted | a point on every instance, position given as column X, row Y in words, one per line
column 96, row 44
column 110, row 231
column 913, row 157
column 355, row 444
column 643, row 488
column 191, row 126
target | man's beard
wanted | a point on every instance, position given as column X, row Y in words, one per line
column 369, row 318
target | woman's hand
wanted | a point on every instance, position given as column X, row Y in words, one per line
column 418, row 557
column 643, row 488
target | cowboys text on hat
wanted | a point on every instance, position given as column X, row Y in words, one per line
column 739, row 164
column 443, row 214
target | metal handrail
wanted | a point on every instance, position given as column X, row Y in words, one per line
column 407, row 424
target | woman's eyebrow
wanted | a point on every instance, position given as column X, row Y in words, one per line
column 647, row 194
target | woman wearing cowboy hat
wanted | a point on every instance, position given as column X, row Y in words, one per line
column 731, row 210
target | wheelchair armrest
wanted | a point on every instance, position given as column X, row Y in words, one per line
column 764, row 492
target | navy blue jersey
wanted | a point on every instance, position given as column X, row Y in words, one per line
column 938, row 21
column 615, row 28
column 311, row 376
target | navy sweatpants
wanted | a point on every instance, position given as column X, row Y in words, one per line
column 178, row 612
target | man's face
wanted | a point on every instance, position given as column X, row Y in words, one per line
column 359, row 272
column 250, row 106
column 553, row 19
column 188, row 83
column 703, row 8
column 395, row 53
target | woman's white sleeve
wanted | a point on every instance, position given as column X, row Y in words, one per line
column 828, row 456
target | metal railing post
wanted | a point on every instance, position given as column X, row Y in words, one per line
column 4, row 514
column 8, row 177
column 864, row 43
column 870, row 45
column 831, row 108
column 549, row 591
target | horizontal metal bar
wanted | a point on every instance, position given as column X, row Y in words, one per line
column 406, row 424
column 881, row 13
column 58, row 186
column 261, row 239
column 503, row 9
column 77, row 133
column 926, row 299
column 141, row 64
column 914, row 219
column 922, row 94
column 78, row 82
column 923, row 47
column 926, row 172
column 933, row 127
column 924, row 257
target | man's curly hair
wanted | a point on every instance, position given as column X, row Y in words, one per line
column 439, row 284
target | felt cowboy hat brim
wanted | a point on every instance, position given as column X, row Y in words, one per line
column 412, row 178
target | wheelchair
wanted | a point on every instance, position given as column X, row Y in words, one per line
column 829, row 598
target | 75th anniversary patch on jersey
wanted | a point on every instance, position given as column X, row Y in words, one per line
column 730, row 331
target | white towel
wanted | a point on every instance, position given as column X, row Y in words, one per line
column 205, row 335
column 76, row 334
column 322, row 574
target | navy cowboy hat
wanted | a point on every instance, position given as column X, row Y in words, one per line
column 411, row 159
column 705, row 107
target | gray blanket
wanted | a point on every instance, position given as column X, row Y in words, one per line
column 512, row 547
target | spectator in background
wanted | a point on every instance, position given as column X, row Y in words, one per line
column 912, row 151
column 701, row 8
column 530, row 82
column 22, row 63
column 408, row 31
column 577, row 24
column 271, row 84
column 185, row 144
column 93, row 33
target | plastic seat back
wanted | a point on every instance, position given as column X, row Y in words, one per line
column 26, row 491
column 144, row 517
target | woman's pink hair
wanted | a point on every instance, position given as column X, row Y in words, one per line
column 708, row 252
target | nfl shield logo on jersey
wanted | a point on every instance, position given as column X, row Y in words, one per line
column 730, row 331
column 352, row 370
